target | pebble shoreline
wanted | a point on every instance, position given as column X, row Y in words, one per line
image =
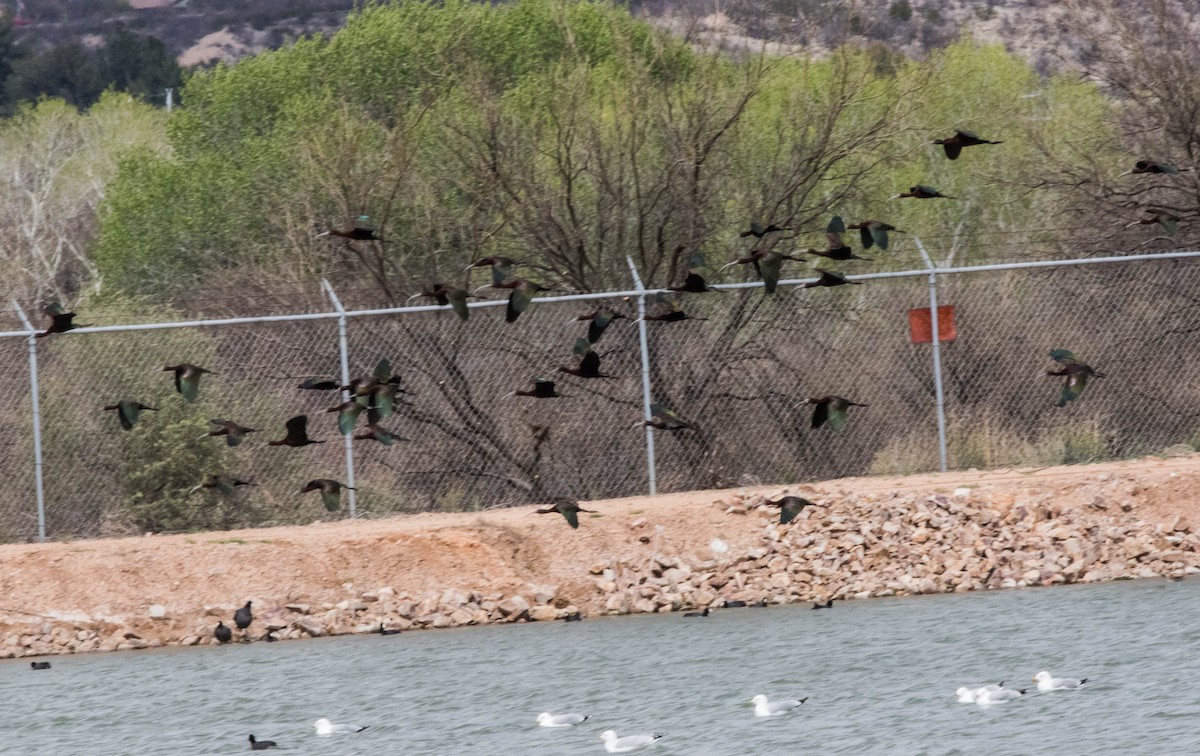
column 852, row 547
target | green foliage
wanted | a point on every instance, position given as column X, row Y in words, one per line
column 67, row 71
column 544, row 127
column 54, row 165
column 152, row 468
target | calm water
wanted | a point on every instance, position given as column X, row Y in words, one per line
column 880, row 675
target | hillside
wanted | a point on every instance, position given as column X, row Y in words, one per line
column 203, row 31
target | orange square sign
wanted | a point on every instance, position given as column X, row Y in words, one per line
column 920, row 324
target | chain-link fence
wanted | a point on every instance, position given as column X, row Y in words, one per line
column 739, row 371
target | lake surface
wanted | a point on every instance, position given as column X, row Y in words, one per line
column 880, row 676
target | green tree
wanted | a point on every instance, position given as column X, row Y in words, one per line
column 138, row 64
column 67, row 71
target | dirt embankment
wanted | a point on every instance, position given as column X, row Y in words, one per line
column 873, row 536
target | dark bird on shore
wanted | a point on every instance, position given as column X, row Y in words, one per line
column 874, row 233
column 1076, row 372
column 39, row 665
column 831, row 409
column 693, row 283
column 836, row 248
column 222, row 483
column 672, row 311
column 222, row 633
column 599, row 321
column 187, row 379
column 521, row 297
column 1168, row 221
column 828, row 278
column 446, row 295
column 243, row 617
column 385, row 631
column 573, row 617
column 961, row 139
column 377, row 433
column 733, row 604
column 827, row 605
column 61, row 321
column 758, row 230
column 664, row 418
column 297, row 433
column 234, row 434
column 567, row 508
column 697, row 614
column 1152, row 166
column 128, row 411
column 589, row 362
column 789, row 507
column 502, row 277
column 922, row 192
column 360, row 231
column 318, row 384
column 768, row 264
column 261, row 745
column 331, row 491
column 542, row 389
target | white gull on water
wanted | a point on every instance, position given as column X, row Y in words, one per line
column 1046, row 682
column 968, row 695
column 546, row 719
column 999, row 695
column 614, row 744
column 765, row 708
column 325, row 727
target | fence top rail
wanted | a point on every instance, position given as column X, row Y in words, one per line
column 333, row 315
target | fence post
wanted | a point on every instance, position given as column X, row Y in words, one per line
column 650, row 463
column 37, row 422
column 937, row 355
column 348, row 440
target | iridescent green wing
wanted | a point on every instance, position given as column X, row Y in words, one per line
column 383, row 371
column 128, row 412
column 837, row 414
column 458, row 302
column 790, row 507
column 878, row 234
column 1064, row 357
column 348, row 417
column 518, row 302
column 331, row 497
column 600, row 321
column 1076, row 383
column 571, row 514
column 501, row 271
column 188, row 383
column 384, row 399
column 770, row 267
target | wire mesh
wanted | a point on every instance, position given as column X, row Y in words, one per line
column 18, row 507
column 1136, row 323
column 740, row 370
column 104, row 480
column 470, row 442
column 743, row 375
